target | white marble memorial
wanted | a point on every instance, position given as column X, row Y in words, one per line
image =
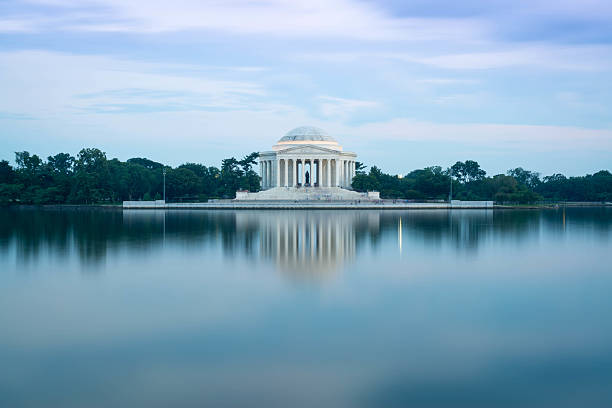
column 306, row 164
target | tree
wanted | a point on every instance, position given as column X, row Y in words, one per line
column 528, row 178
column 431, row 182
column 146, row 163
column 7, row 174
column 10, row 193
column 359, row 168
column 365, row 182
column 230, row 175
column 468, row 171
column 26, row 162
column 92, row 177
column 181, row 183
column 28, row 168
column 61, row 163
column 198, row 169
column 248, row 161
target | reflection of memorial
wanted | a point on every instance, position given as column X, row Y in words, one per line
column 306, row 243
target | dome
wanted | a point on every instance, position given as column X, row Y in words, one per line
column 307, row 133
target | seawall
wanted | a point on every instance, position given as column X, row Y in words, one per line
column 308, row 205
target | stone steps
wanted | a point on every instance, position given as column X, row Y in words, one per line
column 303, row 194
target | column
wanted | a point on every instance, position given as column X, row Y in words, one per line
column 264, row 182
column 350, row 166
column 348, row 173
column 278, row 173
column 269, row 175
column 328, row 181
column 303, row 171
column 337, row 172
column 286, row 173
column 261, row 173
column 294, row 173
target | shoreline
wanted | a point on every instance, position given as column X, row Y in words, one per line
column 307, row 206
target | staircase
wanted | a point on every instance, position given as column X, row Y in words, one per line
column 303, row 194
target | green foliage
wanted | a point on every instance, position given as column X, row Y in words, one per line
column 471, row 183
column 363, row 182
column 528, row 178
column 146, row 163
column 10, row 193
column 7, row 174
column 467, row 171
column 92, row 178
column 359, row 168
column 61, row 163
column 430, row 182
column 595, row 187
column 92, row 181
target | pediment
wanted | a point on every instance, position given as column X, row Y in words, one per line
column 308, row 149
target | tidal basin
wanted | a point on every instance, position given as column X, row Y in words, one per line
column 418, row 308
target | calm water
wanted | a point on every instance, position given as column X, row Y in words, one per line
column 306, row 309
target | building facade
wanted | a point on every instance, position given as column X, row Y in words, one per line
column 306, row 157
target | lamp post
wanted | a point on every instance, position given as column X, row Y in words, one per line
column 450, row 195
column 164, row 172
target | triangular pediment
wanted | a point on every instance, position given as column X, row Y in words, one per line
column 309, row 149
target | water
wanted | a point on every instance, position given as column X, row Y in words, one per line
column 102, row 308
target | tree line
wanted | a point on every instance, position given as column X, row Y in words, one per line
column 91, row 178
column 470, row 182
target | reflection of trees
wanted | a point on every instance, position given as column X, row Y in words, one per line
column 462, row 229
column 33, row 231
column 294, row 240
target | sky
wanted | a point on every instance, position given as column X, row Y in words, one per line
column 404, row 84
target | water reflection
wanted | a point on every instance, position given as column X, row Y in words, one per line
column 308, row 245
column 297, row 242
column 200, row 308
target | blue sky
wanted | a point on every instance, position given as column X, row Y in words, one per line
column 404, row 84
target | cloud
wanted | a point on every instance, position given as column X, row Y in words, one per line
column 497, row 136
column 72, row 83
column 447, row 81
column 251, row 69
column 582, row 58
column 16, row 25
column 342, row 107
column 315, row 18
column 496, row 56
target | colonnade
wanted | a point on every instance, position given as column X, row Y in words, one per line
column 291, row 172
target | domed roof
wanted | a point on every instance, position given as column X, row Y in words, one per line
column 307, row 133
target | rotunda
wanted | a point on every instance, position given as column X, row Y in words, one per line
column 307, row 157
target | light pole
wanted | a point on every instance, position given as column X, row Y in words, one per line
column 450, row 195
column 164, row 171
